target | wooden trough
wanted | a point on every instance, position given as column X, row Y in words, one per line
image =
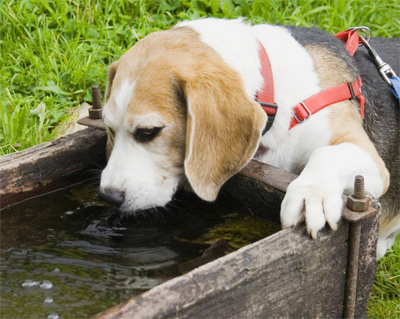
column 286, row 275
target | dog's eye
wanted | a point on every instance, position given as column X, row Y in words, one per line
column 146, row 134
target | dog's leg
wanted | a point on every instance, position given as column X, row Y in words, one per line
column 389, row 229
column 316, row 195
column 384, row 244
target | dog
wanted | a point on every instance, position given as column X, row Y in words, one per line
column 181, row 111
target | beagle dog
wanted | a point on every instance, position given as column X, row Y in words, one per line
column 180, row 110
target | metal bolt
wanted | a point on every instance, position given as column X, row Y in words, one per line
column 352, row 271
column 95, row 110
column 358, row 202
column 359, row 187
column 96, row 97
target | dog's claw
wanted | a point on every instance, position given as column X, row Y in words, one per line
column 332, row 226
column 316, row 204
column 314, row 234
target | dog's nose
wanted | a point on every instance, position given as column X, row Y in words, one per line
column 112, row 196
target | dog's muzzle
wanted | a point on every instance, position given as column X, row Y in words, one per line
column 112, row 196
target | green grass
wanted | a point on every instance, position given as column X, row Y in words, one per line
column 52, row 52
column 385, row 296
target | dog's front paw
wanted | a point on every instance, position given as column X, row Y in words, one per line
column 313, row 202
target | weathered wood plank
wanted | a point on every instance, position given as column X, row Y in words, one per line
column 268, row 175
column 285, row 275
column 367, row 262
column 50, row 165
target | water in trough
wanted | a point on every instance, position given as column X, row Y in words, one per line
column 67, row 255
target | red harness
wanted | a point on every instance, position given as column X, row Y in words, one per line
column 317, row 102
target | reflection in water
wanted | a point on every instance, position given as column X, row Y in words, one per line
column 68, row 255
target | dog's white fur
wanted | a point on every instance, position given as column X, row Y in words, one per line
column 326, row 171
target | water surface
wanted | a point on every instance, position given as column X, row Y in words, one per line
column 68, row 254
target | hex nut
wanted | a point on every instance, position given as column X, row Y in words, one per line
column 95, row 113
column 358, row 205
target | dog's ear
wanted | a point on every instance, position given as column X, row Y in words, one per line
column 112, row 70
column 224, row 128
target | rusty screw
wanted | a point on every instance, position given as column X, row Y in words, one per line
column 358, row 202
column 95, row 110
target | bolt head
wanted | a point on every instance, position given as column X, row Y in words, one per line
column 358, row 205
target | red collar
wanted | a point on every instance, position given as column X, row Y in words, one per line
column 304, row 110
column 266, row 95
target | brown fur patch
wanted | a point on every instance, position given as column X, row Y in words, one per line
column 112, row 70
column 224, row 127
column 218, row 132
column 110, row 143
column 344, row 119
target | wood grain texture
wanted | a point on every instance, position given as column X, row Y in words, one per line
column 367, row 262
column 50, row 165
column 285, row 275
column 268, row 175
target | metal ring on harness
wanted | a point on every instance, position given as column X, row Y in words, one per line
column 367, row 32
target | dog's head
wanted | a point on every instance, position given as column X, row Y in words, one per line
column 175, row 112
